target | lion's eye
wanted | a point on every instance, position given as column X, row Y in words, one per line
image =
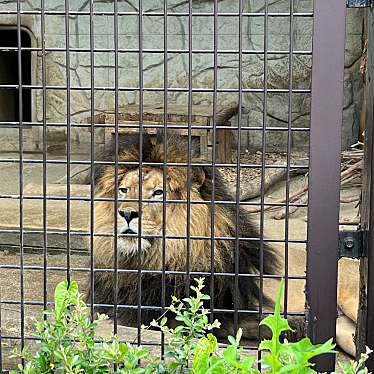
column 123, row 190
column 158, row 192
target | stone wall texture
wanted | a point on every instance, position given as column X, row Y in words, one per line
column 81, row 69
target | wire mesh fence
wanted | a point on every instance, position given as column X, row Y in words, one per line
column 142, row 140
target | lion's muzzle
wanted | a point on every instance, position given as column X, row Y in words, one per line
column 129, row 222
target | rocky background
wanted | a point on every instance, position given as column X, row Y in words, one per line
column 80, row 65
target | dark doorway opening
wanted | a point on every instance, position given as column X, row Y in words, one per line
column 9, row 101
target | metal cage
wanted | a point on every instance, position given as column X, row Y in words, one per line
column 77, row 66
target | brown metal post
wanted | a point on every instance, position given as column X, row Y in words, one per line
column 324, row 180
column 365, row 328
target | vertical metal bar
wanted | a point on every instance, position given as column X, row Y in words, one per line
column 44, row 137
column 92, row 158
column 20, row 144
column 214, row 133
column 288, row 162
column 324, row 175
column 370, row 239
column 115, row 205
column 141, row 109
column 164, row 170
column 68, row 135
column 369, row 337
column 188, row 229
column 263, row 162
column 365, row 326
column 237, row 195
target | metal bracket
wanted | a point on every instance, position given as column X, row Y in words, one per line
column 351, row 244
column 359, row 3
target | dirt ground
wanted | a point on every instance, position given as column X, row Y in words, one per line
column 55, row 262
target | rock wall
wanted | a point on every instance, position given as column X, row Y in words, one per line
column 80, row 73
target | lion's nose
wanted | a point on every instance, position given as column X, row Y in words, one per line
column 128, row 215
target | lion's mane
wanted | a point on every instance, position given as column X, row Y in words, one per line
column 228, row 291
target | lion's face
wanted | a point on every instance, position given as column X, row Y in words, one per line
column 153, row 217
column 150, row 214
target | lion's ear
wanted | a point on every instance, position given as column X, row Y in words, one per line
column 198, row 176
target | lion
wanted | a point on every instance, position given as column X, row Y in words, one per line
column 168, row 265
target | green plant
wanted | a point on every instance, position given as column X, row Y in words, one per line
column 194, row 325
column 356, row 367
column 67, row 343
column 287, row 357
column 191, row 348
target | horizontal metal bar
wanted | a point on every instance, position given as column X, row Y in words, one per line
column 150, row 201
column 156, row 14
column 144, row 236
column 51, row 249
column 150, row 307
column 159, row 164
column 153, row 89
column 144, row 343
column 145, row 271
column 143, row 307
column 160, row 51
column 15, row 125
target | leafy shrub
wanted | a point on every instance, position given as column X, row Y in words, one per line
column 67, row 343
column 353, row 367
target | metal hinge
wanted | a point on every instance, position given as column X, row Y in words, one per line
column 359, row 3
column 351, row 244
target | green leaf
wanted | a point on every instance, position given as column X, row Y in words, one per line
column 217, row 366
column 248, row 362
column 204, row 360
column 73, row 292
column 265, row 345
column 276, row 323
column 295, row 368
column 230, row 355
column 61, row 299
column 200, row 362
column 231, row 340
column 123, row 348
column 180, row 329
column 303, row 350
column 59, row 356
column 272, row 361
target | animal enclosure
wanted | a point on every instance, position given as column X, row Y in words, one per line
column 148, row 142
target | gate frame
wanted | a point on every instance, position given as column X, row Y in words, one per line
column 324, row 173
column 365, row 320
